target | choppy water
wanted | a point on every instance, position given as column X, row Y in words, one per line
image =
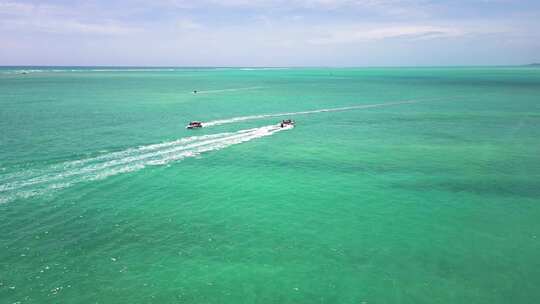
column 396, row 185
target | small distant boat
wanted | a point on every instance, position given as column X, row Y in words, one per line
column 286, row 123
column 194, row 125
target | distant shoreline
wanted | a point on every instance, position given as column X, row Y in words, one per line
column 261, row 67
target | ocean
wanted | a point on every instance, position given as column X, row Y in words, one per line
column 396, row 185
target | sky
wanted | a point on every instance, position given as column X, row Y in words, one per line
column 269, row 32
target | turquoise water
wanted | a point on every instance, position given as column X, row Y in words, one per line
column 423, row 188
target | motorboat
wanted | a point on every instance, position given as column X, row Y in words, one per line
column 194, row 125
column 286, row 123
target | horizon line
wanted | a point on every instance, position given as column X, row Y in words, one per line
column 272, row 67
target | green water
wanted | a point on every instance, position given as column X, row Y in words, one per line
column 433, row 201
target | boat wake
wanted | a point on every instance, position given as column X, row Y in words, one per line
column 41, row 181
column 263, row 116
column 32, row 182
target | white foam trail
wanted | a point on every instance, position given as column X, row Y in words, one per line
column 31, row 175
column 228, row 90
column 37, row 182
column 262, row 116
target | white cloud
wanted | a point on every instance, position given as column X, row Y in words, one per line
column 14, row 8
column 17, row 9
column 187, row 24
column 55, row 26
column 30, row 18
column 360, row 33
column 258, row 32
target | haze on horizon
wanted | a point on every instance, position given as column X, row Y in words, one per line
column 269, row 32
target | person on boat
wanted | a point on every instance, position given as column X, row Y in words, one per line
column 194, row 124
